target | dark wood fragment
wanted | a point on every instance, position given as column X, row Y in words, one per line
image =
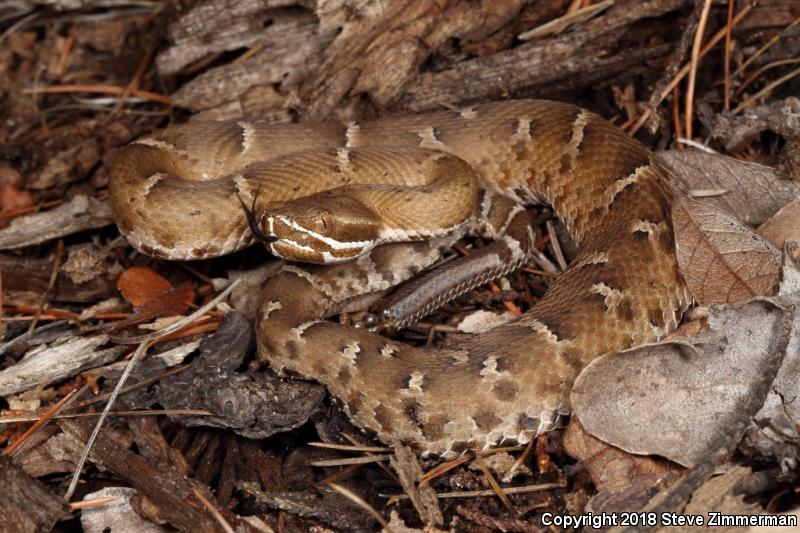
column 542, row 67
column 26, row 504
column 423, row 497
column 253, row 404
column 327, row 506
column 165, row 486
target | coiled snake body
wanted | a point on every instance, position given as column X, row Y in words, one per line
column 175, row 195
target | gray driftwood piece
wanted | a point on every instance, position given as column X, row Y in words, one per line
column 79, row 214
column 44, row 365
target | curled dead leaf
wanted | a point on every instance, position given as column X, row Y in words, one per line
column 678, row 399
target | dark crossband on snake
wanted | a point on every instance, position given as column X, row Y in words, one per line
column 360, row 207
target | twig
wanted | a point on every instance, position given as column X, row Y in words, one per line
column 769, row 66
column 99, row 502
column 557, row 251
column 676, row 113
column 520, row 460
column 484, row 493
column 698, row 39
column 494, row 484
column 442, row 468
column 348, row 448
column 685, row 70
column 99, row 89
column 50, row 284
column 66, row 48
column 134, row 83
column 345, row 461
column 46, row 417
column 695, row 144
column 122, row 413
column 350, row 495
column 758, row 53
column 213, row 510
column 766, row 90
column 18, row 25
column 677, row 57
column 85, row 455
column 726, row 86
column 572, row 16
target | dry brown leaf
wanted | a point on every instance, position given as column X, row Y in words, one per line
column 784, row 225
column 721, row 260
column 624, row 481
column 717, row 495
column 753, row 192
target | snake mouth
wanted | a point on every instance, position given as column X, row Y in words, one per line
column 289, row 239
column 292, row 250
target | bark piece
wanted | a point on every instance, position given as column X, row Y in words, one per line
column 422, row 497
column 170, row 493
column 327, row 506
column 214, row 26
column 29, row 277
column 542, row 67
column 79, row 214
column 46, row 365
column 117, row 515
column 288, row 50
column 717, row 495
column 736, row 131
column 27, row 505
column 381, row 46
column 253, row 404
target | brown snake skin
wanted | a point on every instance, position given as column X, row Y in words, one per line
column 510, row 383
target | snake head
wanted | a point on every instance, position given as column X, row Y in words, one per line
column 324, row 228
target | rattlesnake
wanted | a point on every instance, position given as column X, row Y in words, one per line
column 178, row 194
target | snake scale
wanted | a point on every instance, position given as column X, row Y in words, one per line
column 418, row 179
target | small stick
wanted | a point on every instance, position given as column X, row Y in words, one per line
column 698, row 39
column 726, row 91
column 494, row 484
column 685, row 70
column 99, row 502
column 345, row 461
column 50, row 284
column 483, row 493
column 758, row 53
column 99, row 89
column 350, row 495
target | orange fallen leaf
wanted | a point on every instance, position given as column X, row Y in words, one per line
column 139, row 285
column 11, row 195
column 152, row 296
